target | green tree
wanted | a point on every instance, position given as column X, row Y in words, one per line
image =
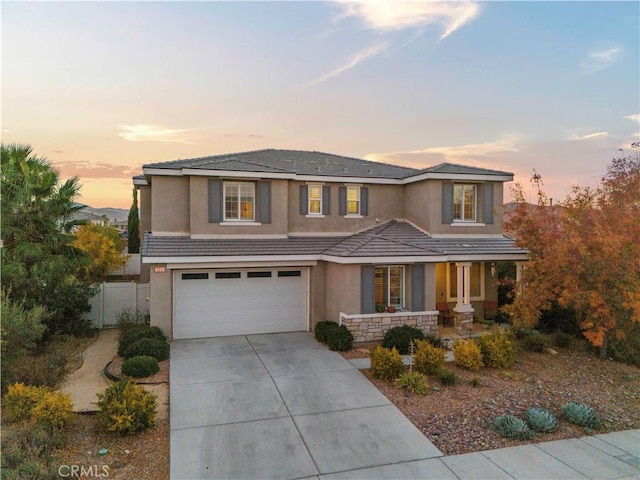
column 133, row 225
column 39, row 262
column 584, row 255
column 104, row 246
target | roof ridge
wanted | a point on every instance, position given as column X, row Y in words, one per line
column 367, row 237
column 399, row 242
column 248, row 162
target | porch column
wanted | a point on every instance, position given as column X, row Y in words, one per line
column 463, row 278
column 520, row 266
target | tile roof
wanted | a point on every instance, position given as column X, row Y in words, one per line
column 391, row 239
column 454, row 168
column 290, row 161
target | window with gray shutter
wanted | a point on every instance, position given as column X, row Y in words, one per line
column 215, row 201
column 364, row 201
column 342, row 201
column 304, row 199
column 417, row 288
column 264, row 202
column 447, row 202
column 487, row 203
column 326, row 200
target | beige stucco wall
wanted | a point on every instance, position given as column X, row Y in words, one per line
column 385, row 203
column 200, row 212
column 144, row 197
column 160, row 300
column 170, row 200
column 318, row 294
column 342, row 291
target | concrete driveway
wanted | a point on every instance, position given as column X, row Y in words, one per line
column 283, row 406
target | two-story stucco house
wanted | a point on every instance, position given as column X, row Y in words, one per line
column 277, row 240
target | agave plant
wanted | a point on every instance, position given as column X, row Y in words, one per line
column 512, row 427
column 413, row 382
column 541, row 419
column 582, row 415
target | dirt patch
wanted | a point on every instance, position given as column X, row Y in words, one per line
column 458, row 419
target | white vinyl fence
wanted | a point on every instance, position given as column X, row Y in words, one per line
column 132, row 266
column 113, row 298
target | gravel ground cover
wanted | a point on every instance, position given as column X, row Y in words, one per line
column 458, row 419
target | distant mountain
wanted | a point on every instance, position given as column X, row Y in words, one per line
column 113, row 214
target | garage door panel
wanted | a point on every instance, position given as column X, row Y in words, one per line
column 237, row 306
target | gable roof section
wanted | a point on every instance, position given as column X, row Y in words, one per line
column 393, row 239
column 293, row 163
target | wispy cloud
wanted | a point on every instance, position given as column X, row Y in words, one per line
column 385, row 16
column 399, row 15
column 355, row 60
column 88, row 169
column 634, row 118
column 154, row 133
column 591, row 136
column 599, row 59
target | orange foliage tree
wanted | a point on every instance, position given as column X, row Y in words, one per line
column 104, row 246
column 585, row 254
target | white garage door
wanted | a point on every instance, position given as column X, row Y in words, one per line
column 212, row 303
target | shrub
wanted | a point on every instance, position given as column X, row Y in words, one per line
column 475, row 382
column 340, row 339
column 435, row 341
column 401, row 337
column 498, row 349
column 142, row 366
column 467, row 354
column 413, row 382
column 21, row 327
column 512, row 427
column 428, row 358
column 27, row 451
column 562, row 340
column 21, row 399
column 447, row 377
column 133, row 333
column 540, row 419
column 54, row 411
column 126, row 408
column 153, row 347
column 581, row 414
column 535, row 342
column 386, row 364
column 322, row 330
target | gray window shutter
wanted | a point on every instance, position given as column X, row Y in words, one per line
column 342, row 201
column 304, row 199
column 264, row 202
column 326, row 200
column 215, row 201
column 367, row 289
column 417, row 288
column 487, row 203
column 364, row 201
column 447, row 202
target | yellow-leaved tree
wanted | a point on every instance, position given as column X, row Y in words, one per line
column 105, row 248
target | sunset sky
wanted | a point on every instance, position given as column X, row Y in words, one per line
column 101, row 88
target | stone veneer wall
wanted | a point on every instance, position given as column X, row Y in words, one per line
column 371, row 328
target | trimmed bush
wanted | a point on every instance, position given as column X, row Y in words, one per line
column 386, row 364
column 401, row 337
column 126, row 408
column 133, row 333
column 153, row 347
column 581, row 414
column 340, row 339
column 447, row 377
column 467, row 354
column 21, row 399
column 413, row 382
column 428, row 358
column 322, row 330
column 498, row 349
column 512, row 427
column 541, row 419
column 139, row 367
column 54, row 411
column 535, row 342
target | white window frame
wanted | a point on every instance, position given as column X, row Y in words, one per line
column 239, row 186
column 482, row 282
column 474, row 206
column 388, row 292
column 357, row 214
column 309, row 200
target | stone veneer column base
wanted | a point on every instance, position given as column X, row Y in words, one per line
column 463, row 321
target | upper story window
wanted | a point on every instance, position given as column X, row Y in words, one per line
column 239, row 201
column 353, row 200
column 464, row 203
column 315, row 200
